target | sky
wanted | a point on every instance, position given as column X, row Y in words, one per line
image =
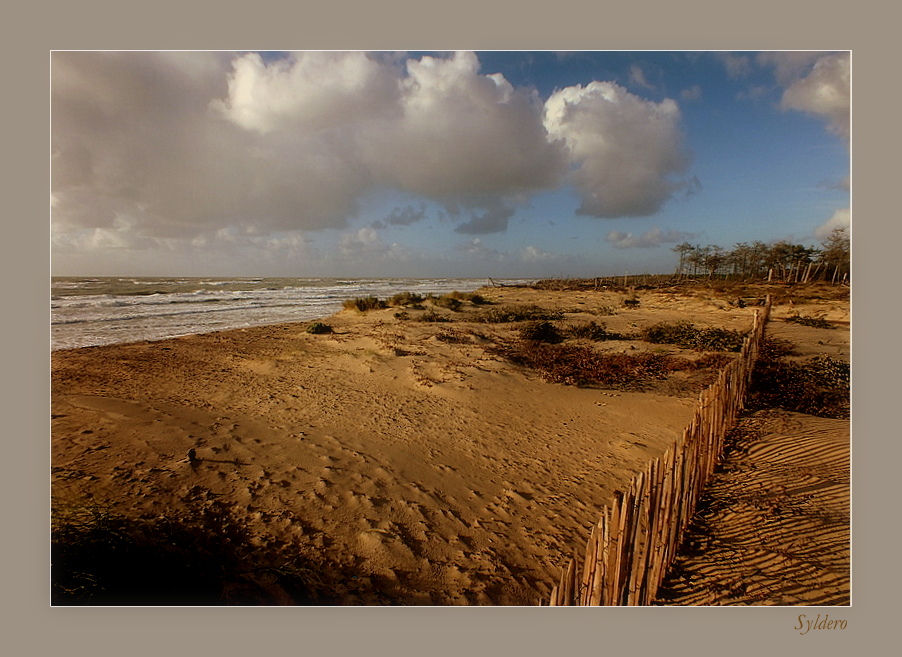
column 502, row 164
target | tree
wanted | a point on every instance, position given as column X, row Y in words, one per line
column 714, row 258
column 836, row 254
column 684, row 250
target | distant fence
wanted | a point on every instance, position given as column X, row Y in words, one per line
column 635, row 540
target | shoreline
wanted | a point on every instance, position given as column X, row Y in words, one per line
column 400, row 456
column 115, row 313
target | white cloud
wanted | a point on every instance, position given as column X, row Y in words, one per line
column 406, row 216
column 308, row 91
column 362, row 240
column 650, row 238
column 737, row 65
column 475, row 247
column 492, row 218
column 842, row 218
column 188, row 143
column 825, row 92
column 180, row 151
column 789, row 65
column 626, row 150
column 817, row 83
column 463, row 135
column 637, row 77
column 535, row 254
column 691, row 93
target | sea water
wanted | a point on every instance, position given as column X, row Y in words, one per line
column 96, row 311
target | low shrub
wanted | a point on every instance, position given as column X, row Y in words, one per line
column 819, row 385
column 453, row 337
column 508, row 314
column 685, row 335
column 574, row 365
column 432, row 316
column 816, row 322
column 719, row 339
column 405, row 299
column 446, row 301
column 363, row 304
column 679, row 333
column 472, row 297
column 541, row 331
column 590, row 331
column 318, row 328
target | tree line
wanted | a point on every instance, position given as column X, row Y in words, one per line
column 778, row 261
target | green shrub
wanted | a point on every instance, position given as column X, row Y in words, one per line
column 719, row 339
column 318, row 328
column 432, row 316
column 453, row 337
column 508, row 314
column 472, row 297
column 541, row 331
column 362, row 304
column 687, row 336
column 573, row 365
column 679, row 333
column 817, row 386
column 816, row 322
column 405, row 299
column 446, row 301
column 590, row 331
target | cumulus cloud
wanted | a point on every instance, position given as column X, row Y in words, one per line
column 737, row 65
column 365, row 239
column 844, row 184
column 529, row 255
column 406, row 216
column 638, row 79
column 535, row 254
column 691, row 93
column 463, row 134
column 133, row 136
column 229, row 150
column 649, row 239
column 842, row 218
column 308, row 91
column 626, row 150
column 477, row 248
column 789, row 65
column 825, row 92
column 815, row 83
column 492, row 218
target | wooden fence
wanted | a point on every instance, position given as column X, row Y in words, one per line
column 635, row 540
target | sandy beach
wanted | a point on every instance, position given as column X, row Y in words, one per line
column 402, row 461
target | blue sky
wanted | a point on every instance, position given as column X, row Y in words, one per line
column 501, row 164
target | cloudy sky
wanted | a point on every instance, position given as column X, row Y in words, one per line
column 501, row 164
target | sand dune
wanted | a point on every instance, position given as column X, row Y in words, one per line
column 404, row 458
column 775, row 524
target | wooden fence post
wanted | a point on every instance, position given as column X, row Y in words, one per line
column 634, row 542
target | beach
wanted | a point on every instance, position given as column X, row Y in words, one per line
column 402, row 461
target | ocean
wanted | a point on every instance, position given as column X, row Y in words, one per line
column 96, row 311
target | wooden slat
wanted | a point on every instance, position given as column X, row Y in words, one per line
column 630, row 548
